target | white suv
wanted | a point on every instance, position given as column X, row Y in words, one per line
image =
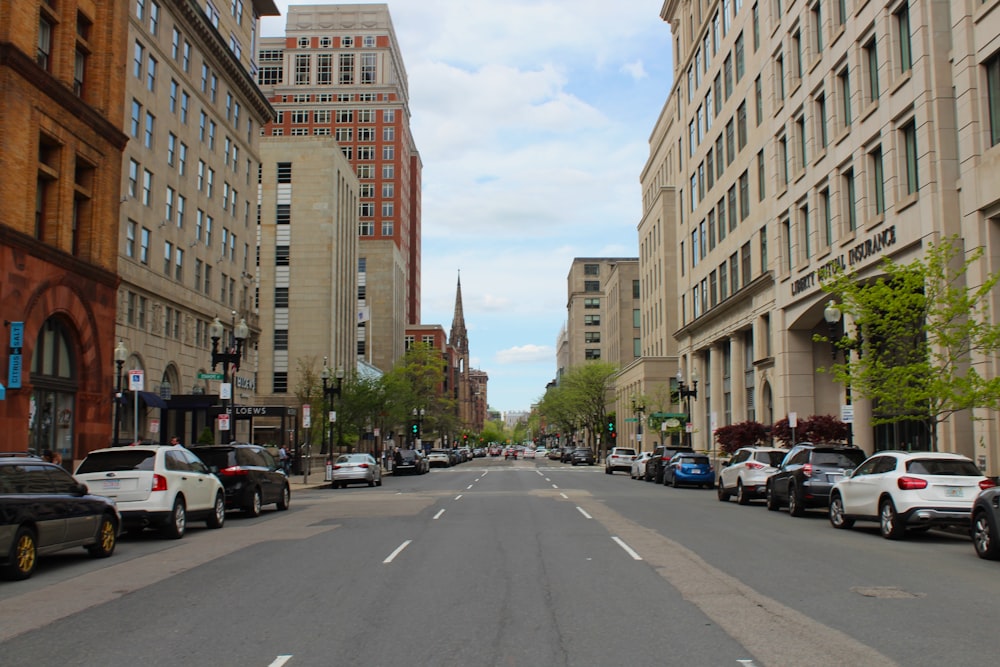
column 747, row 471
column 904, row 490
column 620, row 458
column 156, row 486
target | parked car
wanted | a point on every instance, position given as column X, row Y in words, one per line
column 746, row 473
column 659, row 460
column 478, row 453
column 986, row 524
column 156, row 486
column 908, row 489
column 555, row 454
column 44, row 510
column 638, row 468
column 409, row 461
column 249, row 474
column 351, row 468
column 583, row 455
column 806, row 475
column 510, row 453
column 689, row 469
column 439, row 458
column 619, row 458
column 541, row 453
column 566, row 454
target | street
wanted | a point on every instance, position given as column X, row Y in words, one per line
column 512, row 563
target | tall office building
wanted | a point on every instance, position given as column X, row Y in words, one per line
column 806, row 134
column 60, row 155
column 187, row 248
column 338, row 71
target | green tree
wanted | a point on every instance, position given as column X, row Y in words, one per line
column 922, row 333
column 588, row 387
column 419, row 380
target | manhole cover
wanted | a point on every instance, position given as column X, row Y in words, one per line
column 885, row 592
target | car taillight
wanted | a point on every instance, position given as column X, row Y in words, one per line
column 753, row 465
column 911, row 483
column 159, row 483
column 363, row 465
column 807, row 470
column 234, row 472
column 338, row 467
column 986, row 484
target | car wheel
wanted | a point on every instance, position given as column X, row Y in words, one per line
column 795, row 506
column 673, row 481
column 107, row 537
column 658, row 478
column 607, row 470
column 253, row 509
column 177, row 521
column 371, row 482
column 985, row 536
column 23, row 555
column 285, row 499
column 741, row 495
column 218, row 517
column 771, row 500
column 379, row 482
column 837, row 517
column 889, row 524
column 723, row 494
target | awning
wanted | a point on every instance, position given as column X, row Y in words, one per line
column 152, row 400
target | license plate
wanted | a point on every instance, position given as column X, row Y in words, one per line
column 110, row 484
column 696, row 471
column 954, row 492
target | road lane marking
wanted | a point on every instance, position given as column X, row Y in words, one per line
column 438, row 515
column 564, row 495
column 395, row 553
column 468, row 487
column 458, row 496
column 554, row 486
column 547, row 479
column 280, row 660
column 584, row 512
column 629, row 550
column 540, row 473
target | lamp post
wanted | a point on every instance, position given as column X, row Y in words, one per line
column 329, row 396
column 832, row 315
column 121, row 354
column 231, row 355
column 638, row 408
column 686, row 393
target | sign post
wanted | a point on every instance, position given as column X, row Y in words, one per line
column 135, row 385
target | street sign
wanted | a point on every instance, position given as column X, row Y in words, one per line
column 847, row 414
column 209, row 376
column 793, row 419
column 226, row 391
column 224, row 422
column 135, row 380
column 306, row 415
column 631, row 419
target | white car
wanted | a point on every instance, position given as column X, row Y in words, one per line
column 155, row 486
column 903, row 490
column 620, row 458
column 638, row 467
column 439, row 457
column 529, row 453
column 362, row 468
column 747, row 471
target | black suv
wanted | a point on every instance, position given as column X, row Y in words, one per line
column 807, row 474
column 44, row 510
column 249, row 474
column 658, row 460
column 582, row 455
column 410, row 461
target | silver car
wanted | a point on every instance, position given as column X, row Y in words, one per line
column 745, row 476
column 356, row 468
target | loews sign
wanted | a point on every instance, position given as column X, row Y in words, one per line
column 874, row 245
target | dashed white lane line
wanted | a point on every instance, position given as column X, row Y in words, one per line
column 468, row 487
column 547, row 479
column 554, row 486
column 629, row 550
column 458, row 496
column 395, row 553
column 280, row 660
column 584, row 512
column 564, row 495
column 438, row 515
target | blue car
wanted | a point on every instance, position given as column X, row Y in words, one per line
column 691, row 469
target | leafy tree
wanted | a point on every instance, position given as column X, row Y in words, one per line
column 922, row 333
column 309, row 389
column 587, row 386
column 420, row 377
column 743, row 434
column 817, row 428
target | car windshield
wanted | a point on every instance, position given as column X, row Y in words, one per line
column 624, row 452
column 955, row 467
column 126, row 458
column 352, row 458
column 847, row 458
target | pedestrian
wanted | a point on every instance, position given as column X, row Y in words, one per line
column 283, row 459
column 175, row 440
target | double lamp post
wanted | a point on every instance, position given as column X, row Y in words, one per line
column 230, row 356
column 686, row 393
column 329, row 394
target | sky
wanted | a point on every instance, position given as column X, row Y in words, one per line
column 532, row 119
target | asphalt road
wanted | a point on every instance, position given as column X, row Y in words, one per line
column 496, row 563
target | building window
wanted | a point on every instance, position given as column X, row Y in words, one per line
column 744, row 183
column 877, row 180
column 591, row 286
column 741, row 125
column 821, row 120
column 144, row 246
column 826, row 211
column 902, row 17
column 816, row 14
column 800, row 130
column 779, row 77
column 761, row 178
column 909, row 136
column 844, row 89
column 739, row 56
column 591, row 302
column 993, row 97
column 592, row 337
column 747, row 265
column 805, row 229
column 871, row 62
column 763, row 249
column 758, row 101
column 591, row 354
column 850, row 200
column 723, row 282
column 42, row 56
column 592, row 320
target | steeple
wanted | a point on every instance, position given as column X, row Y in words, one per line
column 459, row 338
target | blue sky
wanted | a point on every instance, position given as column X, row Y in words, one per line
column 532, row 118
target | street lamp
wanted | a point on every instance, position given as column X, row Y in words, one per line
column 687, row 393
column 121, row 354
column 832, row 315
column 232, row 354
column 329, row 394
column 638, row 408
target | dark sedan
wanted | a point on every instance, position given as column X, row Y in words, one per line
column 249, row 474
column 44, row 510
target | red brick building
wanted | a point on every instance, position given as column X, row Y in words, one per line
column 61, row 113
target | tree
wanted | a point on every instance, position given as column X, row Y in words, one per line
column 922, row 335
column 743, row 434
column 420, row 377
column 587, row 387
column 817, row 428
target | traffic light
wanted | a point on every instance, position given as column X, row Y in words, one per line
column 416, row 428
column 612, row 431
column 465, row 438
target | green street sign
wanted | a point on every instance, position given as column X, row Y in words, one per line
column 631, row 419
column 209, row 376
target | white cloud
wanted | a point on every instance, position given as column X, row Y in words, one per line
column 635, row 69
column 525, row 354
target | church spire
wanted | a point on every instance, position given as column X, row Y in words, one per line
column 459, row 337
